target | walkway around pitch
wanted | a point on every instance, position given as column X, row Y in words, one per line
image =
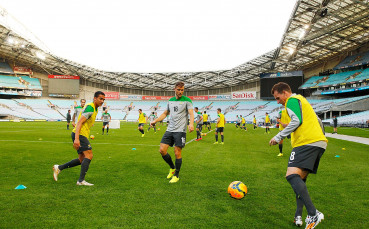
column 349, row 138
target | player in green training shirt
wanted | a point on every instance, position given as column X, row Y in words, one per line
column 80, row 137
column 77, row 111
column 106, row 118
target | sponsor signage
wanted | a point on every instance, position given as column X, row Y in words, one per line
column 63, row 96
column 130, row 97
column 22, row 70
column 198, row 97
column 281, row 74
column 219, row 97
column 110, row 95
column 23, row 93
column 64, row 77
column 244, row 95
column 156, row 97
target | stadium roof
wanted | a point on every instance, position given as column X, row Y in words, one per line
column 317, row 30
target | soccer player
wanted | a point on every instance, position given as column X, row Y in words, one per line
column 77, row 111
column 152, row 117
column 334, row 124
column 106, row 118
column 178, row 109
column 220, row 126
column 206, row 120
column 309, row 144
column 199, row 123
column 80, row 136
column 68, row 119
column 267, row 123
column 141, row 122
column 254, row 122
column 243, row 122
column 283, row 121
column 238, row 122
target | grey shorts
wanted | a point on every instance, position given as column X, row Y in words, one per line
column 174, row 138
column 306, row 157
column 85, row 144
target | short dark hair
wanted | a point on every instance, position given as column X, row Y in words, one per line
column 196, row 108
column 82, row 99
column 204, row 112
column 99, row 93
column 179, row 84
column 68, row 110
column 280, row 87
column 219, row 109
column 140, row 109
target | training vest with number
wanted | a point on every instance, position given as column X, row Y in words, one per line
column 309, row 131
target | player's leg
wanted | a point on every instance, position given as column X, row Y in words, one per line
column 103, row 128
column 216, row 136
column 85, row 164
column 280, row 145
column 222, row 137
column 154, row 128
column 107, row 129
column 178, row 153
column 198, row 135
column 67, row 125
column 166, row 141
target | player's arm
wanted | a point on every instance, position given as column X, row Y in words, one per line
column 294, row 111
column 161, row 117
column 192, row 117
column 76, row 143
column 110, row 117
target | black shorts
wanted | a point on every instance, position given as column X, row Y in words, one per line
column 267, row 124
column 153, row 125
column 105, row 123
column 238, row 124
column 334, row 125
column 141, row 124
column 306, row 157
column 68, row 121
column 174, row 138
column 199, row 126
column 244, row 124
column 219, row 129
column 85, row 144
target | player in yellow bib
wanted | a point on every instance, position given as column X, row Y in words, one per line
column 220, row 126
column 141, row 122
column 243, row 123
column 308, row 143
column 254, row 122
column 206, row 120
column 80, row 136
column 283, row 121
column 267, row 123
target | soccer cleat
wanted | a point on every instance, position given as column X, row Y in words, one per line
column 313, row 221
column 280, row 155
column 215, row 143
column 199, row 139
column 143, row 135
column 298, row 221
column 85, row 183
column 56, row 172
column 171, row 173
column 174, row 179
column 222, row 143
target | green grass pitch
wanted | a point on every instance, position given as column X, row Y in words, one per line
column 131, row 189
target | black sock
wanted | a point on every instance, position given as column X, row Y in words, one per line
column 141, row 131
column 280, row 148
column 216, row 137
column 70, row 164
column 178, row 166
column 266, row 130
column 148, row 128
column 301, row 191
column 107, row 129
column 167, row 158
column 67, row 127
column 198, row 134
column 103, row 130
column 222, row 136
column 84, row 168
column 154, row 128
column 299, row 204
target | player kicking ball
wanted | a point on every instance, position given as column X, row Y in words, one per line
column 178, row 109
column 80, row 137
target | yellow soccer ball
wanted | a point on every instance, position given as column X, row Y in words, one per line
column 237, row 190
column 92, row 137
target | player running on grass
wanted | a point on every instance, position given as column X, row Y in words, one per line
column 106, row 118
column 80, row 137
column 141, row 122
column 199, row 123
column 77, row 111
column 178, row 109
column 152, row 117
column 309, row 144
column 206, row 121
column 283, row 121
column 220, row 126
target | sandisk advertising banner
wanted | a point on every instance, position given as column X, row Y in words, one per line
column 110, row 95
column 156, row 97
column 64, row 77
column 244, row 95
column 198, row 97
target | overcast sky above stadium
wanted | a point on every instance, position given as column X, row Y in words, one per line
column 155, row 35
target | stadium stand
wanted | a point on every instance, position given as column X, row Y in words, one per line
column 22, row 82
column 357, row 119
column 354, row 61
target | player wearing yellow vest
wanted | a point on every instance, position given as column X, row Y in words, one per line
column 243, row 122
column 254, row 122
column 80, row 136
column 206, row 120
column 220, row 126
column 308, row 143
column 283, row 121
column 267, row 123
column 141, row 122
